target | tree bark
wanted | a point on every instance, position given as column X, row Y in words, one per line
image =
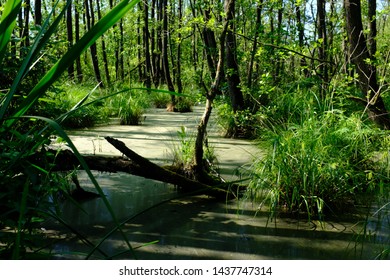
column 372, row 27
column 200, row 140
column 89, row 13
column 38, row 12
column 134, row 164
column 77, row 37
column 178, row 54
column 322, row 49
column 259, row 9
column 232, row 72
column 360, row 57
column 104, row 52
column 146, row 37
column 165, row 58
column 69, row 29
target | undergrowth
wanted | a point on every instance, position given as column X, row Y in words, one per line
column 319, row 158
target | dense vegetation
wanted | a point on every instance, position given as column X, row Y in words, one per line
column 309, row 79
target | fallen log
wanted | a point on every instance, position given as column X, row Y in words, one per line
column 133, row 164
column 151, row 170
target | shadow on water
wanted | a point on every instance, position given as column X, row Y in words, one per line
column 200, row 227
column 197, row 227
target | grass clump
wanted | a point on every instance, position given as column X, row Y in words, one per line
column 320, row 163
column 183, row 154
column 129, row 107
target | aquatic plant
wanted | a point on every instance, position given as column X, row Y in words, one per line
column 26, row 183
column 318, row 162
column 183, row 153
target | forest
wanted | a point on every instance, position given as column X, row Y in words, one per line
column 306, row 81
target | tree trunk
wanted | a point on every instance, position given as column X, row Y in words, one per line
column 201, row 140
column 259, row 9
column 210, row 45
column 89, row 13
column 360, row 57
column 139, row 49
column 232, row 73
column 121, row 60
column 146, row 37
column 301, row 34
column 38, row 12
column 153, row 45
column 178, row 55
column 322, row 49
column 134, row 164
column 69, row 29
column 165, row 57
column 104, row 52
column 372, row 27
column 77, row 38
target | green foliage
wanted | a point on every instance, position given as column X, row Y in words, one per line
column 184, row 104
column 183, row 152
column 319, row 159
column 239, row 124
column 27, row 183
column 160, row 100
column 130, row 107
column 62, row 99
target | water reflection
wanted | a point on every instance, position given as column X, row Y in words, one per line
column 202, row 228
column 127, row 195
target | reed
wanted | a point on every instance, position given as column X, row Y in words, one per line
column 26, row 186
column 318, row 159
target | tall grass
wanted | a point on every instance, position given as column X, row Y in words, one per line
column 25, row 167
column 319, row 158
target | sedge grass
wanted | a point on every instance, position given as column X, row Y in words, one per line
column 19, row 143
column 317, row 162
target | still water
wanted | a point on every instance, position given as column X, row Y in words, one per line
column 202, row 228
column 161, row 223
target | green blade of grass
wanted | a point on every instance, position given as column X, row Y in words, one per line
column 84, row 165
column 64, row 62
column 8, row 20
column 45, row 33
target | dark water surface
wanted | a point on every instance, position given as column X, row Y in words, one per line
column 162, row 225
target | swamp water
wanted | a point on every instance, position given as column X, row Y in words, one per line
column 196, row 227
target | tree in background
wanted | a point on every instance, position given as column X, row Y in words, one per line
column 364, row 61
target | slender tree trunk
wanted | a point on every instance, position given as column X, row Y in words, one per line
column 69, row 29
column 159, row 60
column 121, row 62
column 24, row 19
column 372, row 27
column 146, row 37
column 210, row 45
column 322, row 50
column 360, row 57
column 38, row 12
column 104, row 52
column 232, row 72
column 178, row 63
column 165, row 57
column 201, row 138
column 89, row 13
column 153, row 45
column 259, row 9
column 139, row 49
column 77, row 37
column 301, row 36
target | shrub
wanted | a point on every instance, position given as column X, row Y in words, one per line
column 239, row 124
